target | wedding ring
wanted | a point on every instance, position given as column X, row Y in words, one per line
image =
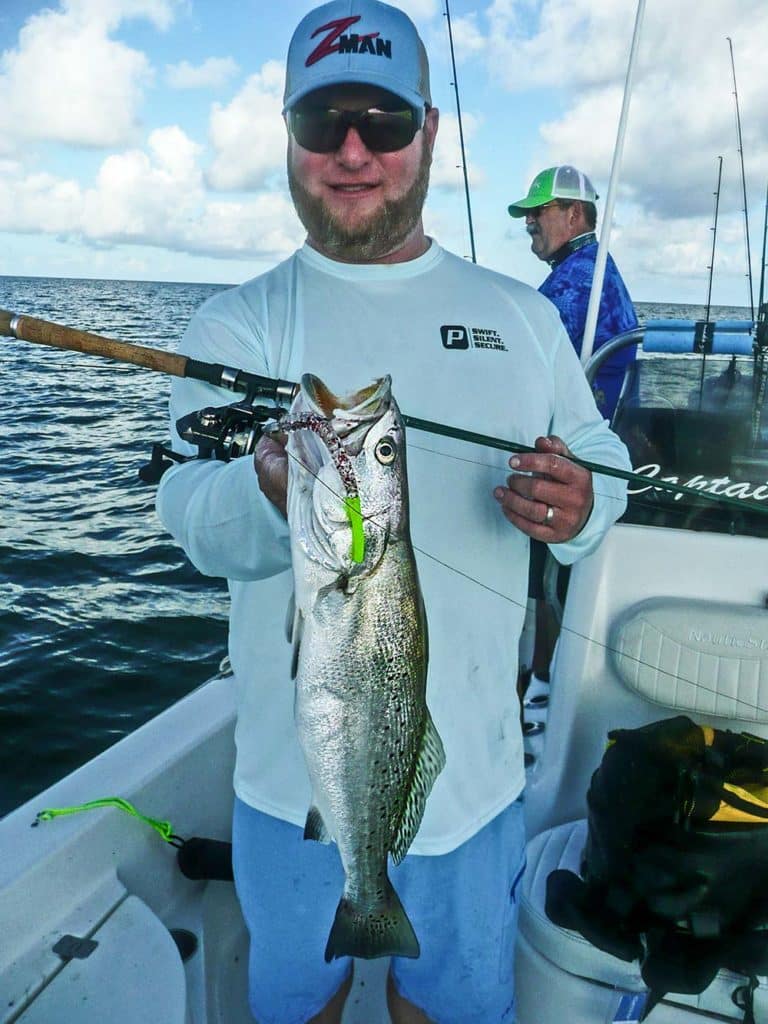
column 550, row 514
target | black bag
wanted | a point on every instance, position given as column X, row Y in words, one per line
column 675, row 869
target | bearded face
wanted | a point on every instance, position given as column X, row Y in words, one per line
column 356, row 204
column 354, row 236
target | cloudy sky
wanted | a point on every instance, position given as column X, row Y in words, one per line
column 142, row 138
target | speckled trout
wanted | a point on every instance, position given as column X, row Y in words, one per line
column 359, row 635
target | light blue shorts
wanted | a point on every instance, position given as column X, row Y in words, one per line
column 463, row 907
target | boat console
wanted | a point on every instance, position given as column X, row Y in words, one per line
column 693, row 411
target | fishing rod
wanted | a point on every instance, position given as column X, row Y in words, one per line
column 29, row 329
column 711, row 269
column 743, row 182
column 43, row 332
column 762, row 261
column 760, row 373
column 711, row 266
column 455, row 84
column 242, row 420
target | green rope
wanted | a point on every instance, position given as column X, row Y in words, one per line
column 163, row 828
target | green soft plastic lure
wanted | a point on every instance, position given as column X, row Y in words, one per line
column 322, row 427
column 355, row 517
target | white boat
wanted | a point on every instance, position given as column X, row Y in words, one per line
column 660, row 621
column 98, row 923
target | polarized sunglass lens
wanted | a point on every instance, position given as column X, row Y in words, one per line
column 388, row 131
column 323, row 130
column 319, row 131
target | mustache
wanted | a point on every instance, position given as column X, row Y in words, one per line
column 388, row 228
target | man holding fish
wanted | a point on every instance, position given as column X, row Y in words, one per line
column 359, row 732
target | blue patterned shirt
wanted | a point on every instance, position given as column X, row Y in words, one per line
column 568, row 287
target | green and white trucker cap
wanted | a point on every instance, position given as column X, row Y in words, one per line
column 361, row 41
column 563, row 182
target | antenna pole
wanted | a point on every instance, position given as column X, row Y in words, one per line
column 601, row 259
column 461, row 135
column 743, row 182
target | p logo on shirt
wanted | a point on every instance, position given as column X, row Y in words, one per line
column 454, row 337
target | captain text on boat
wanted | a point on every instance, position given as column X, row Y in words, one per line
column 370, row 294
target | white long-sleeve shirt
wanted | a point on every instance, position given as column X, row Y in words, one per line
column 465, row 346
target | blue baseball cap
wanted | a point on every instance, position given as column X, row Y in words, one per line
column 357, row 41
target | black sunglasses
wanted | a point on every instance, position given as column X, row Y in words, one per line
column 323, row 129
column 536, row 211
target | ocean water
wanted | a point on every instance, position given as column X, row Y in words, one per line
column 103, row 622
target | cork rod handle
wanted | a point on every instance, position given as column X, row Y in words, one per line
column 42, row 332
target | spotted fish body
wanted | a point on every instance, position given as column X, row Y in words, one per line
column 360, row 655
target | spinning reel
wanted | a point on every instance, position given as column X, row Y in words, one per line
column 224, row 433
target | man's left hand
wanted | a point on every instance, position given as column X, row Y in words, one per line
column 553, row 504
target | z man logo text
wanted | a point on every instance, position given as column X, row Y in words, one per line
column 347, row 43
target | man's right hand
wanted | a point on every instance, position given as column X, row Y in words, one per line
column 270, row 460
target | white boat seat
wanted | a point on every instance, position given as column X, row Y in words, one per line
column 570, row 953
column 640, row 642
column 561, row 848
column 703, row 657
column 133, row 976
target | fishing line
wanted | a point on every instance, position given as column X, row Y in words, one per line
column 507, row 470
column 601, row 469
column 429, row 451
column 524, row 607
column 511, row 472
column 487, row 465
column 648, row 483
column 599, row 643
column 458, row 458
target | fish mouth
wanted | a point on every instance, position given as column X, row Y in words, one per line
column 363, row 404
column 351, row 416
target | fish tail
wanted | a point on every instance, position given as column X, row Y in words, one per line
column 381, row 929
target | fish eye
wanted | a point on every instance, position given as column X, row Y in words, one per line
column 385, row 451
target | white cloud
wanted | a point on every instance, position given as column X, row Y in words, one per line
column 419, row 9
column 110, row 13
column 468, row 39
column 446, row 164
column 38, row 202
column 155, row 197
column 213, row 72
column 681, row 114
column 68, row 81
column 555, row 42
column 681, row 117
column 247, row 134
column 265, row 226
column 675, row 248
column 139, row 195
